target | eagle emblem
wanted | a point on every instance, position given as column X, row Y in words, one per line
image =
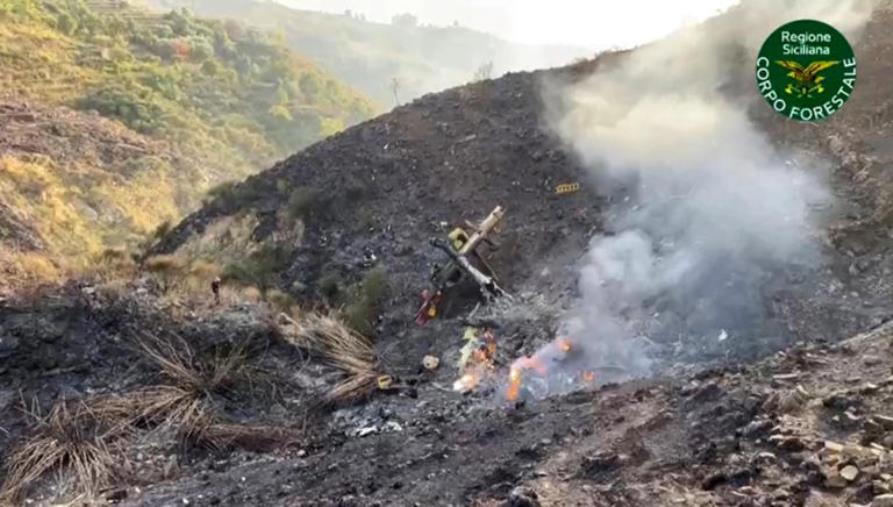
column 806, row 80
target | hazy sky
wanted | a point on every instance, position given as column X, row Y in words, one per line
column 592, row 23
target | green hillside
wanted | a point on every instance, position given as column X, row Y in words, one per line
column 219, row 85
column 369, row 56
column 215, row 101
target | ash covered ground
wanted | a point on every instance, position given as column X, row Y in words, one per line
column 738, row 384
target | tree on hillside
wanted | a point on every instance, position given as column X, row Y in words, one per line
column 395, row 86
column 405, row 20
column 66, row 24
column 485, row 71
column 201, row 49
column 310, row 86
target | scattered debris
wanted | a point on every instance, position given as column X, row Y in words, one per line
column 465, row 262
column 430, row 362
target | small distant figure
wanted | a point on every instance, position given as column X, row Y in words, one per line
column 215, row 288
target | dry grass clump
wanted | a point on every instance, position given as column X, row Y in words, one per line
column 27, row 269
column 344, row 348
column 251, row 294
column 89, row 439
column 179, row 363
column 113, row 265
column 204, row 271
column 166, row 268
column 280, row 300
column 187, row 405
column 74, row 437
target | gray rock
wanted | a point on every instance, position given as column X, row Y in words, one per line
column 6, row 398
column 523, row 496
column 8, row 345
column 884, row 421
column 834, row 480
column 872, row 360
column 849, row 473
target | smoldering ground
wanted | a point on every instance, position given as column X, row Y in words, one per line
column 707, row 217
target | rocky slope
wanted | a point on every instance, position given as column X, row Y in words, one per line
column 810, row 426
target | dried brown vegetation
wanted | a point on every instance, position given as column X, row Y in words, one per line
column 343, row 348
column 88, row 439
column 75, row 437
column 187, row 405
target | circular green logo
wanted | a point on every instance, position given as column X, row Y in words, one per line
column 806, row 70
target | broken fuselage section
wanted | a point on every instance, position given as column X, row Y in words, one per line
column 465, row 262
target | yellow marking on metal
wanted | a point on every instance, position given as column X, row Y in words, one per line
column 567, row 188
column 385, row 382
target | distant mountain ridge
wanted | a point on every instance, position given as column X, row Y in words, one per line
column 369, row 56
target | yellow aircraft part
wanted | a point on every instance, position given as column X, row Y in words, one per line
column 458, row 237
column 567, row 188
column 385, row 382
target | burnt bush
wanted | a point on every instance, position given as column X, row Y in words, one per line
column 366, row 300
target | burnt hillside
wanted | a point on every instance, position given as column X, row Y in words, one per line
column 386, row 187
column 783, row 409
column 375, row 195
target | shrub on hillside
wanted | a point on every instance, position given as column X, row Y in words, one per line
column 162, row 229
column 303, row 203
column 362, row 312
column 280, row 300
column 238, row 192
column 260, row 269
column 329, row 286
column 167, row 269
column 66, row 24
column 135, row 110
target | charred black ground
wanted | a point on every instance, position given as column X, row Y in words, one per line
column 742, row 432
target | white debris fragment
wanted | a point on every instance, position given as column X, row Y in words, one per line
column 368, row 430
column 430, row 362
column 723, row 335
column 393, row 426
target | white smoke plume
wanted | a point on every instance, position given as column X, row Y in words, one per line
column 704, row 210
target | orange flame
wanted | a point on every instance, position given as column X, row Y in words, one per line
column 515, row 374
column 514, row 384
column 588, row 377
column 564, row 344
